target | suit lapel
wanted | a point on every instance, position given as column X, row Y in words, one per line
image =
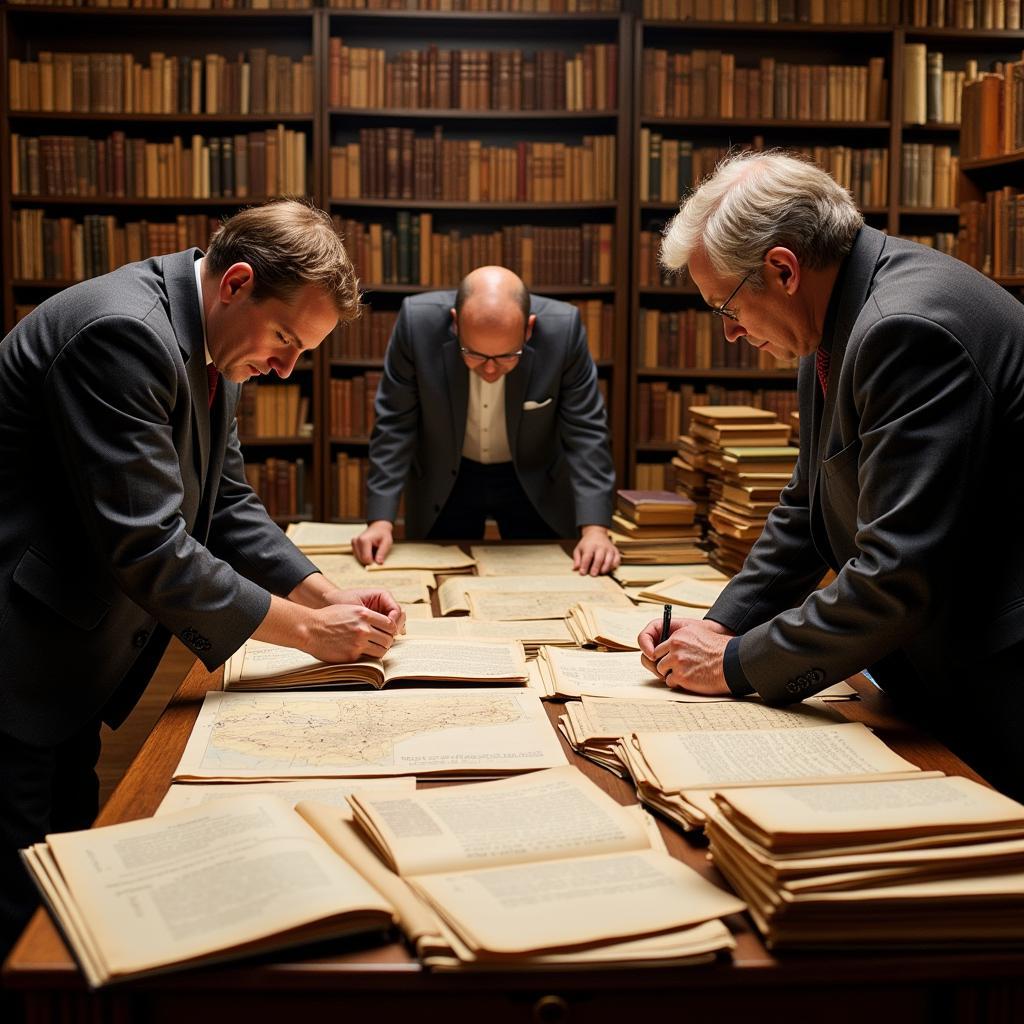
column 187, row 322
column 516, row 388
column 458, row 388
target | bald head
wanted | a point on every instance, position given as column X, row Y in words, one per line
column 492, row 298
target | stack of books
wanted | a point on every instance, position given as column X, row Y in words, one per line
column 655, row 527
column 926, row 862
column 690, row 476
column 748, row 459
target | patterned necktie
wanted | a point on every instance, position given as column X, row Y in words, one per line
column 821, row 363
column 212, row 376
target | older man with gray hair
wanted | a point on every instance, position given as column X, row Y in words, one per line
column 911, row 389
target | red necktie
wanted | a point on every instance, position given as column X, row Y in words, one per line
column 212, row 376
column 821, row 363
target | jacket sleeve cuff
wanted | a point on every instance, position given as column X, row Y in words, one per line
column 734, row 674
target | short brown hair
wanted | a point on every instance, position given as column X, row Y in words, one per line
column 289, row 243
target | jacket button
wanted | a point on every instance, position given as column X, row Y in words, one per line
column 141, row 638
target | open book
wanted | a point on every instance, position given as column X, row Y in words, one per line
column 226, row 879
column 261, row 666
column 538, row 870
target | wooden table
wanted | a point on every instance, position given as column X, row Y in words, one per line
column 384, row 983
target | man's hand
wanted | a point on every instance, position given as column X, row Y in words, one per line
column 595, row 554
column 346, row 632
column 380, row 601
column 374, row 543
column 691, row 658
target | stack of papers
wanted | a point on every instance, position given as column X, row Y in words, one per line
column 324, row 538
column 918, row 862
column 617, row 629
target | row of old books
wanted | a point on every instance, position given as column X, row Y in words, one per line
column 991, row 235
column 413, row 253
column 176, row 5
column 962, row 13
column 349, row 498
column 281, row 485
column 391, row 163
column 747, row 459
column 931, row 93
column 117, row 83
column 273, row 410
column 61, row 248
column 511, row 6
column 431, row 78
column 943, row 241
column 930, row 175
column 669, row 168
column 364, row 338
column 993, row 113
column 350, row 405
column 707, row 83
column 694, row 338
column 772, row 12
column 256, row 164
column 656, row 527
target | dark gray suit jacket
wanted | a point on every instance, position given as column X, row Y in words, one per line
column 124, row 510
column 560, row 450
column 909, row 485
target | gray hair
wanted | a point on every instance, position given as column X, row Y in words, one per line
column 753, row 201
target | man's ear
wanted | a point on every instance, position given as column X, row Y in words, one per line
column 530, row 321
column 455, row 320
column 782, row 264
column 236, row 282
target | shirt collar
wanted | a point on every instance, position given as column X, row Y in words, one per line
column 202, row 309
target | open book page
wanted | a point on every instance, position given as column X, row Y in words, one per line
column 435, row 557
column 521, row 559
column 648, row 575
column 471, row 660
column 685, row 760
column 407, row 587
column 538, row 817
column 324, row 536
column 333, row 792
column 336, row 565
column 257, row 662
column 551, row 604
column 817, row 817
column 418, row 612
column 352, row 735
column 537, row 631
column 520, row 909
column 609, row 718
column 452, row 594
column 170, row 890
column 685, row 590
column 418, row 922
column 620, row 627
column 574, row 673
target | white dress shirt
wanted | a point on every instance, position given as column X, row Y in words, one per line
column 486, row 438
column 202, row 309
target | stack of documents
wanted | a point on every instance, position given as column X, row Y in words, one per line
column 541, row 871
column 324, row 538
column 674, row 771
column 918, row 862
column 656, row 526
column 692, row 597
column 519, row 598
column 596, row 727
column 531, row 633
column 617, row 629
column 436, row 558
column 521, row 560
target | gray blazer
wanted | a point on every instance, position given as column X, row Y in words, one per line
column 124, row 510
column 559, row 449
column 909, row 486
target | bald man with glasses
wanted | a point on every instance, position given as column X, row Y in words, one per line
column 489, row 407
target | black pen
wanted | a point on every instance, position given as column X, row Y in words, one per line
column 666, row 622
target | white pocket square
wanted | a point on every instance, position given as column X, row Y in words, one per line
column 530, row 404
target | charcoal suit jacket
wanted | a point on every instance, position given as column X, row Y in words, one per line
column 125, row 515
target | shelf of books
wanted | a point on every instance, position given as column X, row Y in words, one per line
column 459, row 138
column 131, row 133
column 706, row 87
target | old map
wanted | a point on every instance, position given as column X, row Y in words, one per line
column 288, row 735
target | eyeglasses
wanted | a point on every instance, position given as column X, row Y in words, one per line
column 723, row 310
column 478, row 358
